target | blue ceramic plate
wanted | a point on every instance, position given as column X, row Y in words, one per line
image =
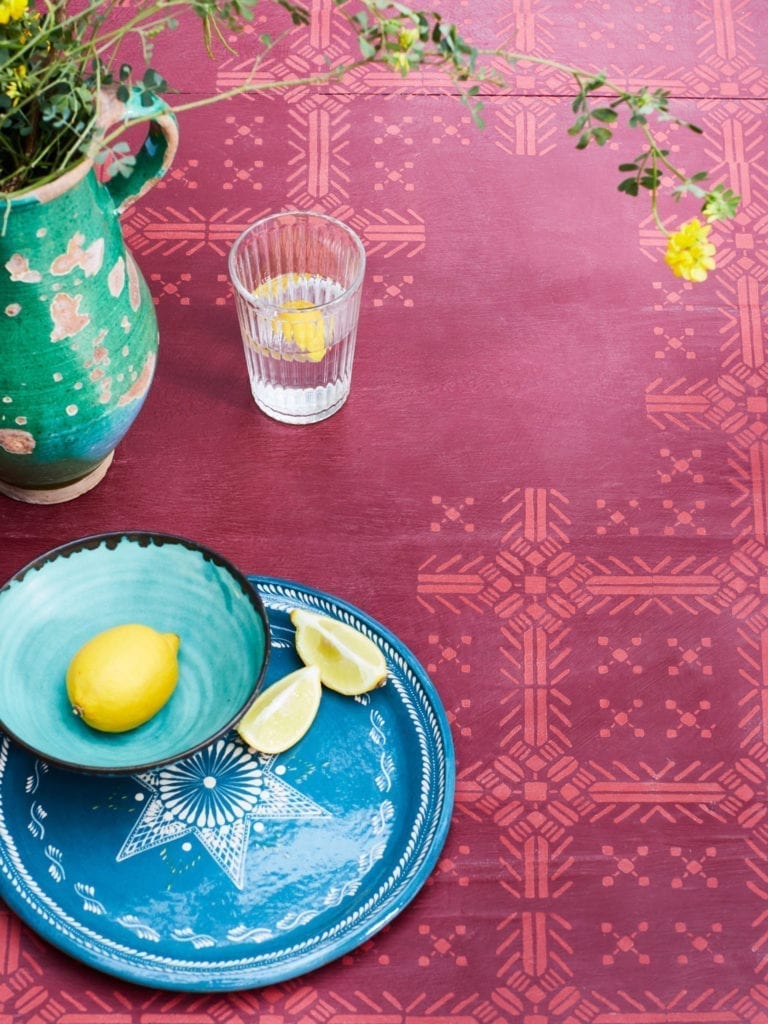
column 51, row 607
column 229, row 870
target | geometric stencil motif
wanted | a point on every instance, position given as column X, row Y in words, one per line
column 650, row 626
column 540, row 793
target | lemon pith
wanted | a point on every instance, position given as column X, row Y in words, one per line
column 349, row 662
column 123, row 676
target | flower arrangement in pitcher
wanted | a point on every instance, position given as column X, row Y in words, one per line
column 56, row 56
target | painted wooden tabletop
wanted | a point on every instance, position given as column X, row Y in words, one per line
column 549, row 482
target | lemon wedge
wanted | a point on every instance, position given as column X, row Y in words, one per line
column 121, row 677
column 304, row 327
column 349, row 662
column 283, row 713
column 299, row 320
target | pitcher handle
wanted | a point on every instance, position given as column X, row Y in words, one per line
column 156, row 154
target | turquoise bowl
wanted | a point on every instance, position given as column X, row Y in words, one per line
column 52, row 606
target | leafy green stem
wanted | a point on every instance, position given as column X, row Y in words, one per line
column 54, row 62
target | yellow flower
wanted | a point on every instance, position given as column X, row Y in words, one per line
column 401, row 58
column 407, row 37
column 15, row 86
column 401, row 63
column 689, row 254
column 12, row 10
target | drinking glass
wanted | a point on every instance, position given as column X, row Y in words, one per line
column 297, row 278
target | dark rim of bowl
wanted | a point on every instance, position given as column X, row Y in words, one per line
column 144, row 539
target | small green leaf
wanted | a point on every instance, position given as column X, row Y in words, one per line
column 596, row 83
column 601, row 135
column 689, row 188
column 605, row 114
column 578, row 125
column 629, row 185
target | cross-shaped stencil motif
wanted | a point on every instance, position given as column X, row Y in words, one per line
column 542, row 786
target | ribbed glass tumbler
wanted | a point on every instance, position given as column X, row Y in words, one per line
column 297, row 278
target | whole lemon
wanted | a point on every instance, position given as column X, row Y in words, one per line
column 122, row 677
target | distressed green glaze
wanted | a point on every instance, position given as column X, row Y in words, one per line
column 78, row 331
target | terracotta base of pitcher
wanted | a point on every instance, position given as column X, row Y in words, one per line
column 56, row 495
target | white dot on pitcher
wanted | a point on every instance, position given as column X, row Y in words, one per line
column 71, row 410
column 186, row 847
column 139, row 797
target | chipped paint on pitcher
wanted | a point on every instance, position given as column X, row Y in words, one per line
column 78, row 330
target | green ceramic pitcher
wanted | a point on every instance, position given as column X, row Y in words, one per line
column 78, row 330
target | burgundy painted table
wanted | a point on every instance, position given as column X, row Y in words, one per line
column 549, row 481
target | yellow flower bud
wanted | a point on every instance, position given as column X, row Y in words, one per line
column 407, row 38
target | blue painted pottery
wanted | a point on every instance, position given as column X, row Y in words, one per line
column 51, row 608
column 228, row 869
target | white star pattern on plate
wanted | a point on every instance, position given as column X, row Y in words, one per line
column 215, row 795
